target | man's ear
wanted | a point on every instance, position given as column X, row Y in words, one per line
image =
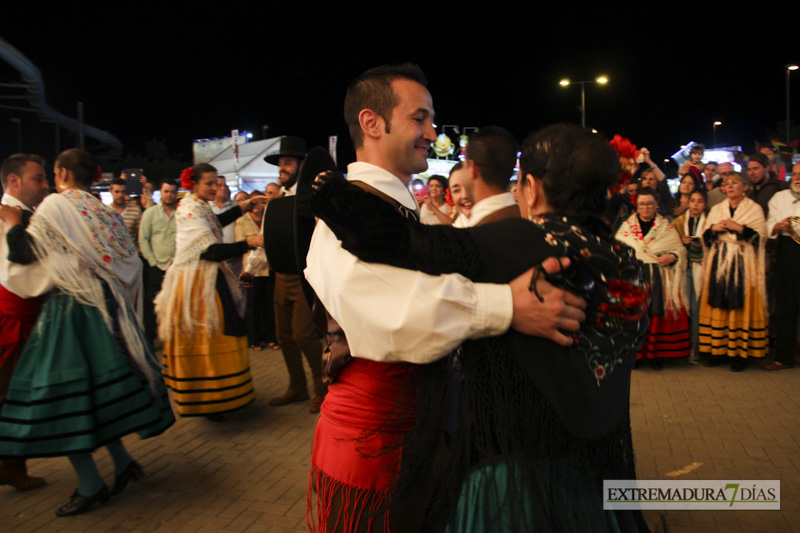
column 371, row 123
column 13, row 180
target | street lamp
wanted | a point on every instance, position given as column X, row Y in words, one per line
column 602, row 80
column 789, row 68
column 714, row 129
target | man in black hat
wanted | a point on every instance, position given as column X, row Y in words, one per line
column 294, row 326
column 288, row 158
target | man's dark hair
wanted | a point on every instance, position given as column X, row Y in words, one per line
column 373, row 90
column 169, row 181
column 116, row 180
column 712, row 163
column 15, row 164
column 494, row 151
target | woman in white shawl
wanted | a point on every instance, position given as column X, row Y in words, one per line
column 200, row 306
column 660, row 248
column 87, row 376
column 733, row 308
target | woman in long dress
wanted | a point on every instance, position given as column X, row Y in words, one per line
column 87, row 377
column 733, row 308
column 200, row 306
column 532, row 428
column 660, row 248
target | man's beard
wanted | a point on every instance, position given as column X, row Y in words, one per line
column 289, row 182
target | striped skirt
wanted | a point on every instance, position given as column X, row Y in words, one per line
column 74, row 390
column 207, row 375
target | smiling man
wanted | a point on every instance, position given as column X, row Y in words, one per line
column 390, row 315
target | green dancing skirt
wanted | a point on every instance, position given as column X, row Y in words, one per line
column 76, row 388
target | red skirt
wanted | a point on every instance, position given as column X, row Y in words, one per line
column 17, row 317
column 666, row 337
column 355, row 461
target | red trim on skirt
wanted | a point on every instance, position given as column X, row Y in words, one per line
column 666, row 337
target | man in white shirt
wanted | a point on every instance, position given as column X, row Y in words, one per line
column 783, row 206
column 25, row 186
column 395, row 315
column 491, row 158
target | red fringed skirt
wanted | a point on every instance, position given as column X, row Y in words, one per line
column 357, row 446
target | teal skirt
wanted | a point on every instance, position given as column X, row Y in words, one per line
column 76, row 389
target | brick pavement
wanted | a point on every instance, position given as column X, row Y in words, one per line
column 250, row 472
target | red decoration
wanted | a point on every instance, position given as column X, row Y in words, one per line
column 98, row 175
column 628, row 153
column 187, row 179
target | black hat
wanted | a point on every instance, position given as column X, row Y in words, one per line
column 289, row 146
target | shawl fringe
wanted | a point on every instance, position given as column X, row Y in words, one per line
column 70, row 250
column 730, row 251
column 342, row 507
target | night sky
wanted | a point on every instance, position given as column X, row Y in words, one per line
column 180, row 73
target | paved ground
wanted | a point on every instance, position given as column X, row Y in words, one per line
column 250, row 472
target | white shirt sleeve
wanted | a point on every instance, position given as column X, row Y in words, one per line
column 390, row 314
column 776, row 213
column 26, row 281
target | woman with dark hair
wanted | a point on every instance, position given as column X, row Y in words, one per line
column 200, row 306
column 680, row 202
column 433, row 207
column 690, row 229
column 532, row 428
column 87, row 376
column 660, row 248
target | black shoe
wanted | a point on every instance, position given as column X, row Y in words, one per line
column 216, row 417
column 80, row 504
column 132, row 472
column 657, row 365
column 739, row 364
column 714, row 361
column 637, row 364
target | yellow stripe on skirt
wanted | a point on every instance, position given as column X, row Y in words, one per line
column 734, row 332
column 206, row 375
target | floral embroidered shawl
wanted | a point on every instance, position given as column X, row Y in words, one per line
column 661, row 239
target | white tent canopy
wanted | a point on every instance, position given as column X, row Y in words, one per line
column 253, row 172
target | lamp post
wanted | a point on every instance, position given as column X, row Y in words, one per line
column 789, row 68
column 602, row 80
column 714, row 129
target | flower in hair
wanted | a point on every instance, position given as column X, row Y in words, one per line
column 187, row 178
column 98, row 175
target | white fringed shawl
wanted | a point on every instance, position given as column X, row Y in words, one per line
column 661, row 239
column 732, row 250
column 197, row 228
column 80, row 241
column 681, row 225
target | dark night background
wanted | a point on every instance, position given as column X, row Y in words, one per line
column 181, row 71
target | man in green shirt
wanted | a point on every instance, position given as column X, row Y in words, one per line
column 157, row 245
